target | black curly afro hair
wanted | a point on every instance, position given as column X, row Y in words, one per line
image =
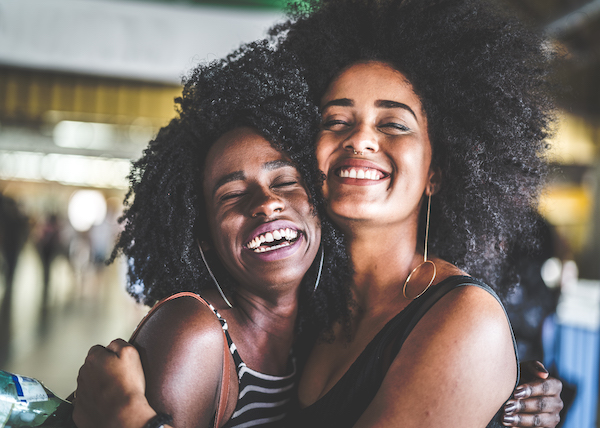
column 483, row 81
column 165, row 208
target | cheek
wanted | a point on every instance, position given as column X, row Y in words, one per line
column 223, row 229
column 418, row 159
column 323, row 149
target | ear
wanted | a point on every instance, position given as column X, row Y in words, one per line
column 435, row 181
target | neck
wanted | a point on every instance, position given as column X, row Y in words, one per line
column 263, row 328
column 274, row 314
column 382, row 258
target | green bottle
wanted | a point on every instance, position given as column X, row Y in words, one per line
column 25, row 403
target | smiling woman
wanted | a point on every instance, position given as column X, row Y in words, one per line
column 230, row 182
column 435, row 115
column 254, row 193
column 352, row 117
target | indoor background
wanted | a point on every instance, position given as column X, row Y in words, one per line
column 85, row 84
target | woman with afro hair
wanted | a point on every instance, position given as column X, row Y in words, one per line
column 435, row 116
column 225, row 205
column 434, row 120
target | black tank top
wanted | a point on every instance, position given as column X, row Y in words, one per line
column 343, row 405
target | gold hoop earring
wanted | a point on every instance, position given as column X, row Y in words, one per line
column 425, row 261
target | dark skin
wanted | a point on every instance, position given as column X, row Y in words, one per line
column 104, row 401
column 250, row 189
column 536, row 402
column 333, row 359
column 375, row 152
column 111, row 385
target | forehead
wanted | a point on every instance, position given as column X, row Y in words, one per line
column 372, row 81
column 239, row 150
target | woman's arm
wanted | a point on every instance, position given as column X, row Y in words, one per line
column 459, row 356
column 110, row 389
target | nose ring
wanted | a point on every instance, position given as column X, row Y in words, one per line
column 358, row 153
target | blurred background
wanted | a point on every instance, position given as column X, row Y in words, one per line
column 85, row 84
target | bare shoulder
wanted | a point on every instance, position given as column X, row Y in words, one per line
column 182, row 348
column 183, row 322
column 459, row 355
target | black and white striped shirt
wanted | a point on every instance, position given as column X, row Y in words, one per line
column 264, row 400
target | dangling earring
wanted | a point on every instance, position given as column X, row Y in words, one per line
column 212, row 276
column 425, row 261
column 320, row 269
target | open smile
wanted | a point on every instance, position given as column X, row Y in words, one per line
column 352, row 170
column 359, row 173
column 273, row 240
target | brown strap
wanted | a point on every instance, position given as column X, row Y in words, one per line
column 224, row 387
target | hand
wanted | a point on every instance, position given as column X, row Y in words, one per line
column 110, row 389
column 537, row 402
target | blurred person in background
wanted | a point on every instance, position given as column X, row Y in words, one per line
column 14, row 229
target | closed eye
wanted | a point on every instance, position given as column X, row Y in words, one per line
column 285, row 183
column 231, row 195
column 394, row 127
column 335, row 125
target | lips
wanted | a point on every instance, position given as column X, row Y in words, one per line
column 273, row 236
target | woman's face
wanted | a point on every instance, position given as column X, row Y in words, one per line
column 259, row 214
column 373, row 146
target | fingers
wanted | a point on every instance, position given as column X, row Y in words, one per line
column 538, row 388
column 546, row 420
column 534, row 405
column 118, row 345
column 106, row 382
column 533, row 369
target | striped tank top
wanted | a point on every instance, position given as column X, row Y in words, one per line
column 263, row 400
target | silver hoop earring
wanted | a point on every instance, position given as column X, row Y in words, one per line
column 213, row 276
column 425, row 261
column 320, row 270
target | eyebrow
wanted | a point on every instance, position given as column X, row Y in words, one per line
column 347, row 102
column 239, row 175
column 394, row 104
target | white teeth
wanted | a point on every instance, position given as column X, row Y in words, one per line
column 359, row 174
column 275, row 235
column 274, row 247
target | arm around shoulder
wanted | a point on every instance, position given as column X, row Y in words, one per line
column 456, row 368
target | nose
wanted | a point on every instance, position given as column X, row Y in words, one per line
column 265, row 203
column 362, row 140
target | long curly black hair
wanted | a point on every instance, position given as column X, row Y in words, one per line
column 165, row 209
column 483, row 81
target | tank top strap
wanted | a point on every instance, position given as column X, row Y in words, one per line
column 232, row 348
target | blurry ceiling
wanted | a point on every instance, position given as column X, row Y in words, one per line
column 254, row 4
